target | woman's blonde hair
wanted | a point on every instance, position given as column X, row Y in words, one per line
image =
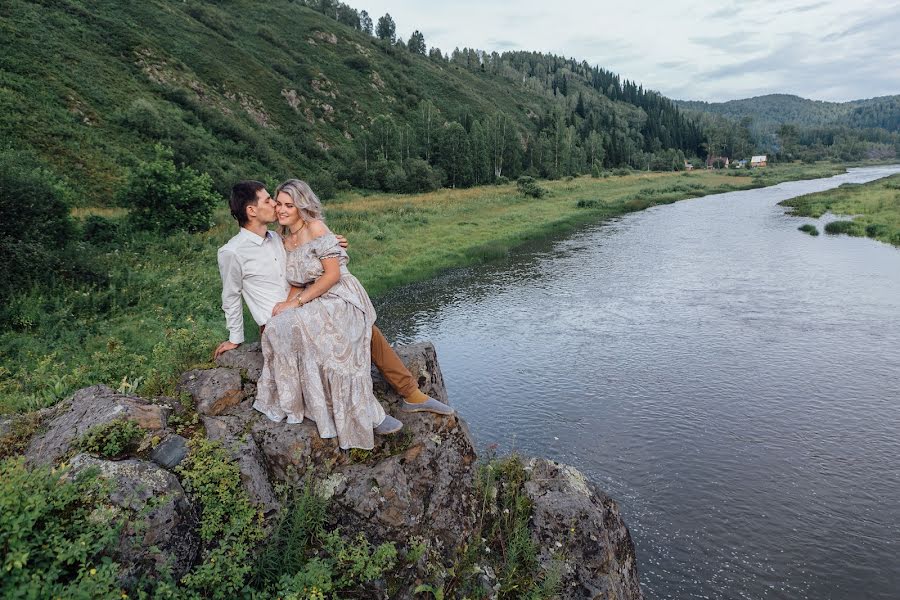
column 304, row 199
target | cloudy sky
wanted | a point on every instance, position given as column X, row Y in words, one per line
column 686, row 49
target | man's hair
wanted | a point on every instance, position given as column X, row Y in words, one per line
column 243, row 194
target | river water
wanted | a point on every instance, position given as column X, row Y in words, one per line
column 732, row 382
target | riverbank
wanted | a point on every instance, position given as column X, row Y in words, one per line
column 874, row 209
column 157, row 312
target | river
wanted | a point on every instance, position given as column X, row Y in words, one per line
column 732, row 382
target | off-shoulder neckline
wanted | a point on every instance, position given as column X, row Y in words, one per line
column 315, row 239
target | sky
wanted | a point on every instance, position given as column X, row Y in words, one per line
column 687, row 50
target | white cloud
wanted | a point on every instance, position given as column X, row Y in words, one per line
column 825, row 50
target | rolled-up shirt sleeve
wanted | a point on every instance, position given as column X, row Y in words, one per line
column 230, row 271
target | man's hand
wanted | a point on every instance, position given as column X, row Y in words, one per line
column 223, row 348
column 342, row 241
column 283, row 306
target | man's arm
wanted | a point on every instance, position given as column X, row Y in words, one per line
column 232, row 284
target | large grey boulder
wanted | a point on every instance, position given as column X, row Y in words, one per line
column 213, row 390
column 570, row 516
column 88, row 407
column 161, row 526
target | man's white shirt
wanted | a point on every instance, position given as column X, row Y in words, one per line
column 251, row 267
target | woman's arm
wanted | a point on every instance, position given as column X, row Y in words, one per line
column 331, row 276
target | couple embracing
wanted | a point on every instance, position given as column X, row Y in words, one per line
column 317, row 322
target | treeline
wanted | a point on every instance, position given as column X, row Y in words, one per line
column 792, row 128
column 595, row 121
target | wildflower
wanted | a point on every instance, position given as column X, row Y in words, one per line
column 93, row 571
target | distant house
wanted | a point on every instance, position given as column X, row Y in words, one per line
column 741, row 163
column 712, row 161
column 688, row 166
column 758, row 161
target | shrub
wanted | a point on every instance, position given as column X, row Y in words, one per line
column 165, row 198
column 230, row 526
column 100, row 231
column 111, row 440
column 323, row 184
column 810, row 229
column 501, row 180
column 54, row 532
column 527, row 186
column 877, row 230
column 358, row 63
column 420, row 177
column 847, row 227
column 35, row 230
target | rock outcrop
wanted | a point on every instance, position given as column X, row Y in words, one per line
column 570, row 512
column 160, row 533
column 88, row 407
column 415, row 484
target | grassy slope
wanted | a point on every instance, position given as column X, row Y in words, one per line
column 164, row 295
column 89, row 86
column 875, row 207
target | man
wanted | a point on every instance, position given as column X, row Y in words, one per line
column 252, row 266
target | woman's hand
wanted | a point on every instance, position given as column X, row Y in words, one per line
column 342, row 241
column 283, row 306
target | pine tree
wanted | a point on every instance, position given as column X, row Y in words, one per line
column 416, row 42
column 386, row 28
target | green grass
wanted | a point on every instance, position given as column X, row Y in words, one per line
column 874, row 208
column 809, row 228
column 159, row 314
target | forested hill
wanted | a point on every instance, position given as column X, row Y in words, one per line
column 771, row 111
column 272, row 89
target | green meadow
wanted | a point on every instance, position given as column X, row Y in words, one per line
column 874, row 209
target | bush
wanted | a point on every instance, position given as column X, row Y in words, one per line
column 877, row 230
column 810, row 229
column 527, row 186
column 358, row 63
column 111, row 440
column 420, row 177
column 54, row 532
column 846, row 227
column 35, row 230
column 99, row 231
column 165, row 198
column 231, row 527
column 324, row 185
column 501, row 180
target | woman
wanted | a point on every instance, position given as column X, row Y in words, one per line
column 316, row 347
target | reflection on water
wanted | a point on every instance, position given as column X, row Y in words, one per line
column 731, row 381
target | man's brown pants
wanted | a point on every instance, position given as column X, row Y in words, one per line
column 393, row 369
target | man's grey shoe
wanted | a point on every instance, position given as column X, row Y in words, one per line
column 388, row 426
column 430, row 405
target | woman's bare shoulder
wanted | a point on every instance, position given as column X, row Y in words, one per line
column 317, row 228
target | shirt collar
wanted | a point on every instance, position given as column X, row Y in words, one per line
column 249, row 235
